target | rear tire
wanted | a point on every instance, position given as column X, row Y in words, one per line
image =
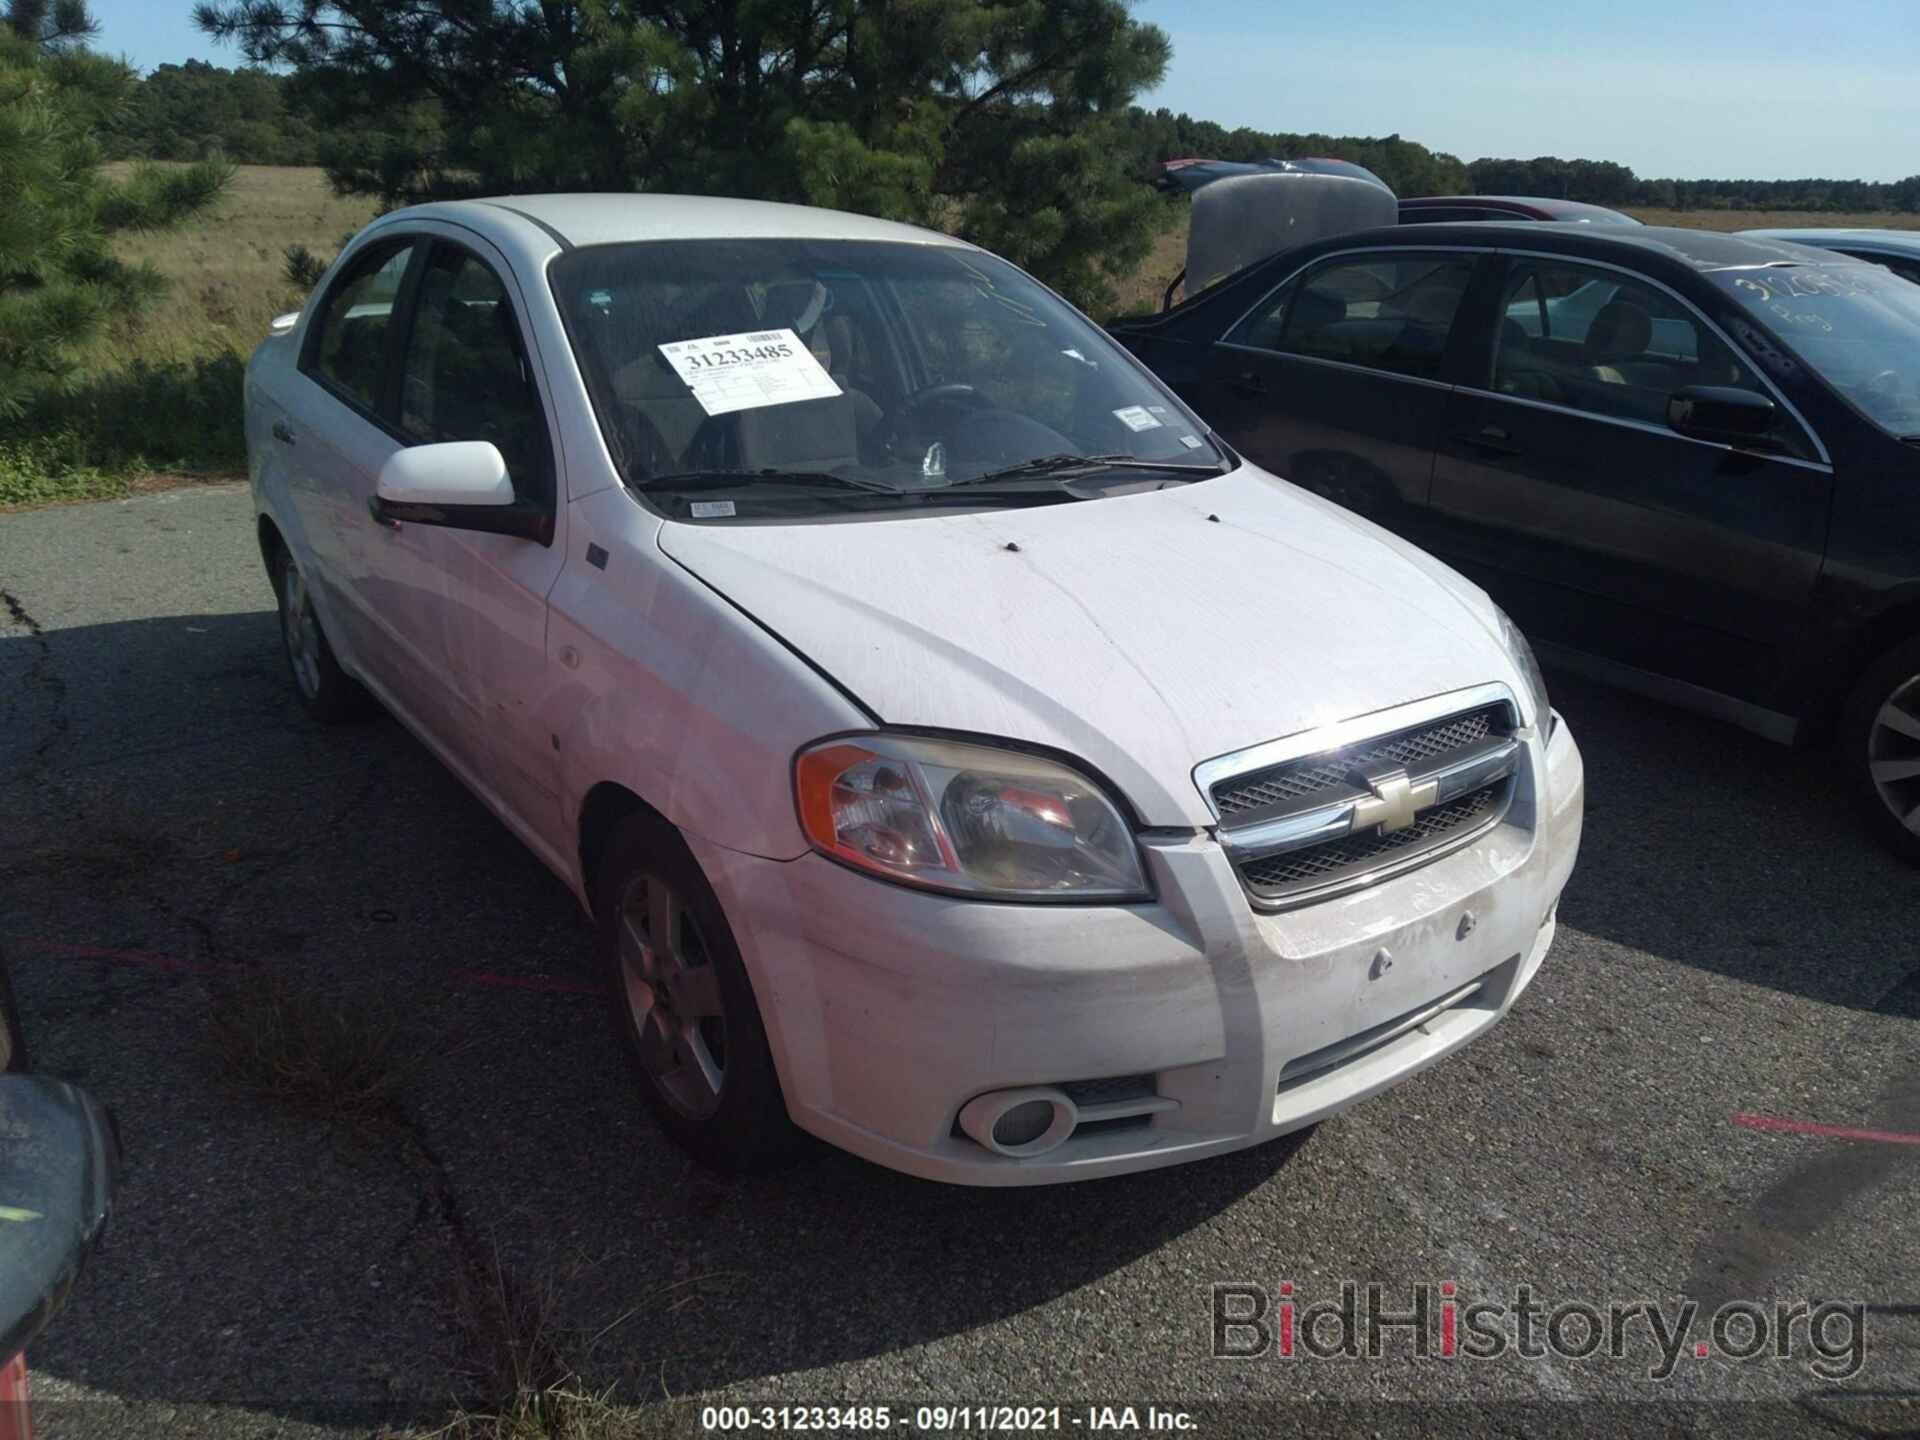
column 682, row 1006
column 1880, row 747
column 328, row 692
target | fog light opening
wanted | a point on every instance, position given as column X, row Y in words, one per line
column 1023, row 1124
column 1020, row 1123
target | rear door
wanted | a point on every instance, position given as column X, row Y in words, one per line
column 1560, row 487
column 331, row 441
column 1335, row 379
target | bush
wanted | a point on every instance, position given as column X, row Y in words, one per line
column 152, row 414
column 43, row 468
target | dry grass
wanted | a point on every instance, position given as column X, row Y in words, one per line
column 1140, row 293
column 339, row 1056
column 227, row 269
column 1776, row 219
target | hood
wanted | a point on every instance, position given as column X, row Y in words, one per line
column 1143, row 633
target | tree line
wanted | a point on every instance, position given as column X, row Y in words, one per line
column 254, row 116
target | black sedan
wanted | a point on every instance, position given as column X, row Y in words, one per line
column 1683, row 459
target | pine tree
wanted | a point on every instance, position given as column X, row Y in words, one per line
column 59, row 280
column 1000, row 119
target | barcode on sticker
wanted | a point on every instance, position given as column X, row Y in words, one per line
column 763, row 337
column 712, row 509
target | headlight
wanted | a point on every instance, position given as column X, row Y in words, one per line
column 970, row 818
column 1523, row 656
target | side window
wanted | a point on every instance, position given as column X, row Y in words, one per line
column 1611, row 346
column 1386, row 312
column 466, row 375
column 1603, row 343
column 349, row 350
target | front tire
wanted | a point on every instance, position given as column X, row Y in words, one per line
column 328, row 692
column 1880, row 745
column 683, row 1008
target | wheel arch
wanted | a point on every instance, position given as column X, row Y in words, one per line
column 606, row 805
column 272, row 543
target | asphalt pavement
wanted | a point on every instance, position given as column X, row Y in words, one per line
column 172, row 826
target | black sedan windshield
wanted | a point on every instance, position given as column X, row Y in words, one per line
column 897, row 367
column 1857, row 325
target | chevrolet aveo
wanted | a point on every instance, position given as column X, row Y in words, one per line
column 964, row 755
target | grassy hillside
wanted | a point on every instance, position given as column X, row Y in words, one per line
column 227, row 276
column 158, row 396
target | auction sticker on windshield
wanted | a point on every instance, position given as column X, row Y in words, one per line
column 749, row 370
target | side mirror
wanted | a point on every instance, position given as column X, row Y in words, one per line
column 1723, row 415
column 458, row 484
column 56, row 1181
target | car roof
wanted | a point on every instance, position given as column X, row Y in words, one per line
column 606, row 219
column 1573, row 209
column 1906, row 241
column 1696, row 249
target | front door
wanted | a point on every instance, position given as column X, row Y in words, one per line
column 1560, row 487
column 1335, row 380
column 471, row 608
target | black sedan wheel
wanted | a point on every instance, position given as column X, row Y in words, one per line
column 1881, row 740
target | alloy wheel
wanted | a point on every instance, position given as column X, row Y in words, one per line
column 673, row 996
column 1893, row 753
column 302, row 630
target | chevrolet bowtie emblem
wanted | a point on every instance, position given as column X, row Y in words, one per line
column 1394, row 804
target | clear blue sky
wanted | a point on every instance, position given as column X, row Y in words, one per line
column 1731, row 89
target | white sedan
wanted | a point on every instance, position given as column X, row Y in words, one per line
column 964, row 756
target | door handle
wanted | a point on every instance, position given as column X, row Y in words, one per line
column 379, row 513
column 1489, row 437
column 1248, row 382
column 283, row 432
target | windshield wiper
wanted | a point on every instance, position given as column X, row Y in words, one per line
column 1060, row 466
column 688, row 480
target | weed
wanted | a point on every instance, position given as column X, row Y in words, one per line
column 338, row 1055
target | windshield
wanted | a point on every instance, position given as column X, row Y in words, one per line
column 877, row 371
column 1857, row 325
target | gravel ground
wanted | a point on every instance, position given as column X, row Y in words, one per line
column 174, row 828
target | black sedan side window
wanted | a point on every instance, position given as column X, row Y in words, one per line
column 1602, row 342
column 1382, row 311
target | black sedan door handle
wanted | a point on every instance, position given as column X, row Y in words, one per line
column 1489, row 437
column 283, row 432
column 1248, row 382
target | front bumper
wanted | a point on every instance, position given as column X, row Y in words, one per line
column 888, row 1009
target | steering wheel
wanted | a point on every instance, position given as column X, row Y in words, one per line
column 895, row 422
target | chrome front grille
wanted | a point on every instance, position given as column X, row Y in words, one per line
column 1295, row 868
column 1350, row 804
column 1411, row 750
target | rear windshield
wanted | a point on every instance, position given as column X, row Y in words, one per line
column 896, row 366
column 1857, row 325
